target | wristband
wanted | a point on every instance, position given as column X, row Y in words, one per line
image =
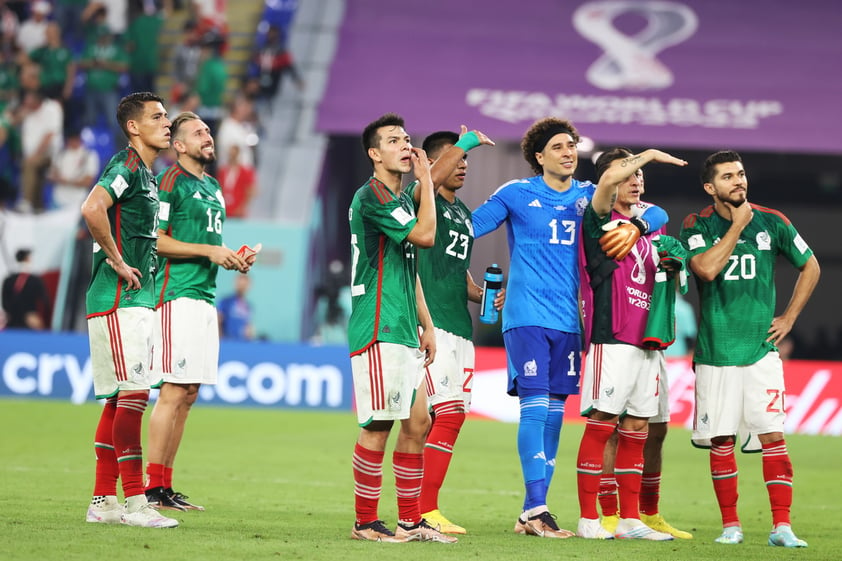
column 468, row 141
column 641, row 224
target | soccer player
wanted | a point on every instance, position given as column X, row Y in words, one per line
column 191, row 250
column 388, row 356
column 621, row 375
column 650, row 486
column 733, row 247
column 121, row 212
column 448, row 286
column 541, row 316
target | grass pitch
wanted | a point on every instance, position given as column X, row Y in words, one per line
column 277, row 484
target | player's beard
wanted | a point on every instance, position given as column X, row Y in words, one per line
column 205, row 159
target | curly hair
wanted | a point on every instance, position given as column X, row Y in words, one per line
column 539, row 134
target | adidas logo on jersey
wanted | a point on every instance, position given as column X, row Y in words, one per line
column 536, row 203
column 196, row 195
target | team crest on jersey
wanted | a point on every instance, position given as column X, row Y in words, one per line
column 764, row 241
column 444, row 381
column 530, row 368
column 395, row 400
column 581, row 205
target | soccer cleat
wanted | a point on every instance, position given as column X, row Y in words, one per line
column 591, row 529
column 634, row 529
column 732, row 535
column 437, row 520
column 374, row 532
column 542, row 525
column 146, row 516
column 422, row 532
column 161, row 499
column 610, row 522
column 657, row 523
column 104, row 510
column 181, row 500
column 782, row 536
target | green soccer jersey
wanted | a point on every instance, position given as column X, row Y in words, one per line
column 383, row 268
column 134, row 226
column 443, row 268
column 192, row 211
column 738, row 306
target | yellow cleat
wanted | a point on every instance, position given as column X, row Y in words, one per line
column 437, row 520
column 610, row 522
column 657, row 522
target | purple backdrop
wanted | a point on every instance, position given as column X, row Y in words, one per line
column 753, row 74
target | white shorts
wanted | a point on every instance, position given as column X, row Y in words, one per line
column 739, row 400
column 386, row 376
column 187, row 342
column 663, row 415
column 451, row 376
column 121, row 351
column 621, row 379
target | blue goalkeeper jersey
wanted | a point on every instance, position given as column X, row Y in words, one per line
column 542, row 227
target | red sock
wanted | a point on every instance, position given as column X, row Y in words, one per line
column 409, row 470
column 777, row 472
column 589, row 464
column 438, row 451
column 154, row 475
column 608, row 495
column 650, row 493
column 723, row 470
column 628, row 468
column 128, row 422
column 107, row 471
column 368, row 481
column 167, row 479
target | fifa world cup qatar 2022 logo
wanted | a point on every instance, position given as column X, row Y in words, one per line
column 629, row 59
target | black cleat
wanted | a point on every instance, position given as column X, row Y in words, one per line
column 182, row 501
column 160, row 499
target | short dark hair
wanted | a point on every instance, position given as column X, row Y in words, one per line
column 434, row 143
column 131, row 107
column 22, row 255
column 370, row 137
column 603, row 162
column 537, row 133
column 180, row 120
column 721, row 157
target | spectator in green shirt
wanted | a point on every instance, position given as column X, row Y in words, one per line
column 104, row 63
column 211, row 80
column 57, row 67
column 142, row 45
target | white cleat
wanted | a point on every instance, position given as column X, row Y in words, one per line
column 104, row 510
column 591, row 529
column 634, row 529
column 141, row 513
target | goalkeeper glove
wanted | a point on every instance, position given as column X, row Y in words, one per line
column 620, row 236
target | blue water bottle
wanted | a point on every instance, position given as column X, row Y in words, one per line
column 492, row 283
